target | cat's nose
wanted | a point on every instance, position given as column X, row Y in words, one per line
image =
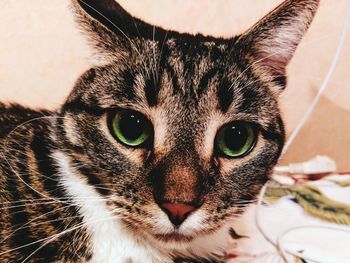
column 177, row 212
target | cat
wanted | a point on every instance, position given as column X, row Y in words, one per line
column 155, row 150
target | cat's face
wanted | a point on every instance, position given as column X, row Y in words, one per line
column 177, row 132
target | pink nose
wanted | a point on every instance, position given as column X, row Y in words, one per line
column 177, row 212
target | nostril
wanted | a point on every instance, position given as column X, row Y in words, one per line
column 177, row 212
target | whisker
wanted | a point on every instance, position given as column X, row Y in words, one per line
column 25, row 205
column 53, row 237
column 9, row 163
column 69, row 204
column 28, row 224
column 34, row 201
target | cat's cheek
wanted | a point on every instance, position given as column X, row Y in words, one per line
column 227, row 165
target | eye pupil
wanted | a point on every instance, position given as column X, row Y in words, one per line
column 235, row 137
column 131, row 126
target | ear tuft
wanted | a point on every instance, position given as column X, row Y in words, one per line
column 272, row 41
column 110, row 27
column 94, row 22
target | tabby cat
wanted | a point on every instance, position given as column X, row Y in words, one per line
column 155, row 150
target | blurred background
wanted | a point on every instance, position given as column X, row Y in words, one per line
column 42, row 53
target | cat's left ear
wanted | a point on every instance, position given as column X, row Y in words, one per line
column 110, row 27
column 270, row 44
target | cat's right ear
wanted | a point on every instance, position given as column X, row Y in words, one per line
column 110, row 28
column 270, row 43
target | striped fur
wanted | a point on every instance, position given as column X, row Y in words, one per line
column 69, row 192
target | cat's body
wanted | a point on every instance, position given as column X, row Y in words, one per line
column 80, row 185
column 29, row 212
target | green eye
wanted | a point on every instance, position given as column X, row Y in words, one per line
column 236, row 139
column 131, row 128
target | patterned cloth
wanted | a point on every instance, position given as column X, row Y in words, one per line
column 297, row 206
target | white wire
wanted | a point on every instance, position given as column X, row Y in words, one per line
column 258, row 221
column 279, row 244
column 258, row 216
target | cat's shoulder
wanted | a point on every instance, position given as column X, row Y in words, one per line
column 13, row 115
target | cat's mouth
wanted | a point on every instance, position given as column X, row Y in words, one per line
column 174, row 237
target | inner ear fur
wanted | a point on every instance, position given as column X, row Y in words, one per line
column 271, row 43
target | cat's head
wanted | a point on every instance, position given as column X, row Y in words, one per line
column 179, row 131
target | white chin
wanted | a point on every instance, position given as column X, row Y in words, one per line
column 189, row 228
column 200, row 244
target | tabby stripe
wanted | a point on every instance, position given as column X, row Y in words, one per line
column 225, row 94
column 151, row 92
column 174, row 78
column 94, row 180
column 281, row 81
column 46, row 167
column 78, row 106
column 128, row 85
column 49, row 183
column 167, row 67
column 207, row 77
column 18, row 215
column 249, row 102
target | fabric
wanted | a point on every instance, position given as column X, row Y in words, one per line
column 319, row 239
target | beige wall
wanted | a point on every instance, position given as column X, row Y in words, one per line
column 42, row 54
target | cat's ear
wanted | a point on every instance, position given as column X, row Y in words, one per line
column 110, row 27
column 270, row 44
